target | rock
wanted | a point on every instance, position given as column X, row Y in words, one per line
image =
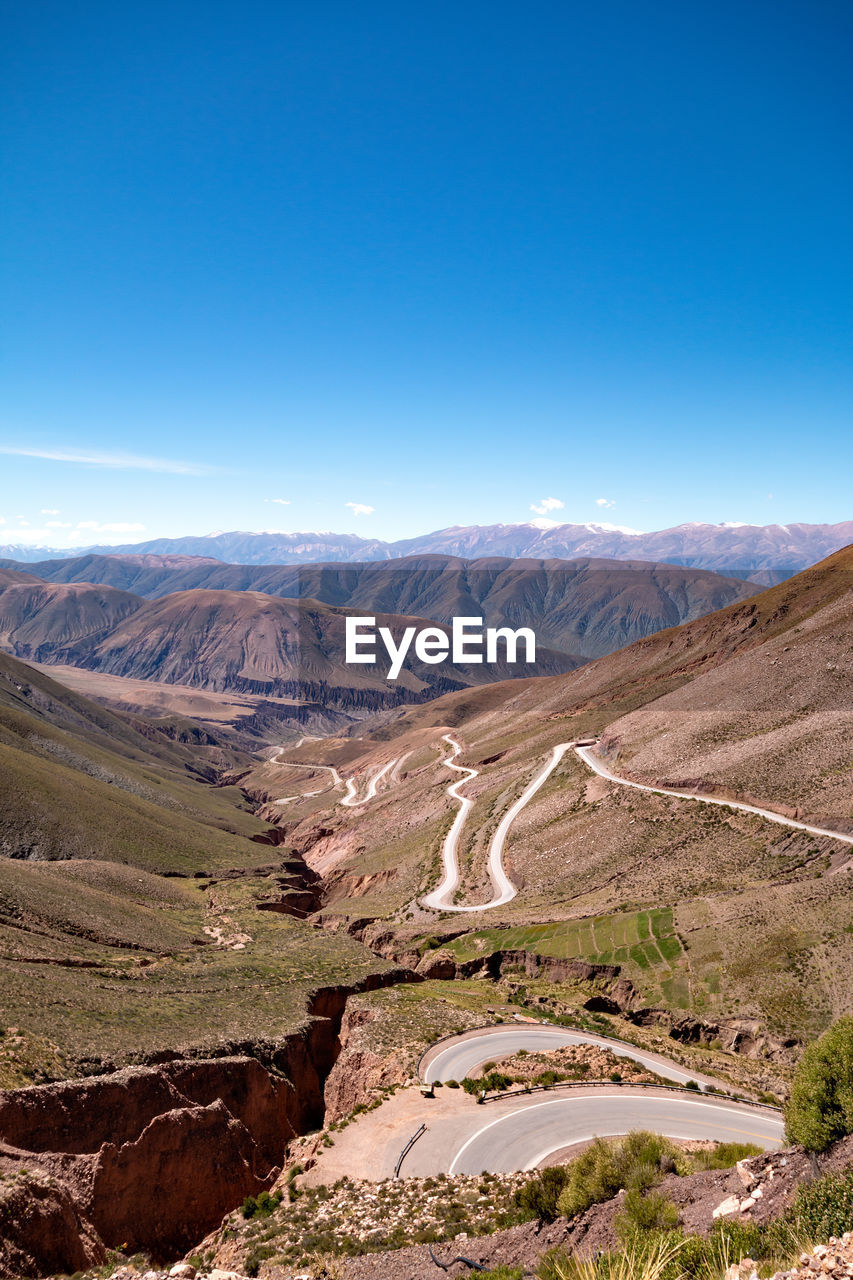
column 745, row 1174
column 42, row 1229
column 184, row 1271
column 437, row 964
column 730, row 1205
column 177, row 1180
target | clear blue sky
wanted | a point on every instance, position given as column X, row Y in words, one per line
column 442, row 260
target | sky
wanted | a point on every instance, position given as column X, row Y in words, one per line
column 386, row 268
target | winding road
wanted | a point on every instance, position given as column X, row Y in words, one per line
column 350, row 798
column 521, row 1132
column 526, row 1135
column 441, row 899
column 594, row 763
column 453, row 1134
column 457, row 1058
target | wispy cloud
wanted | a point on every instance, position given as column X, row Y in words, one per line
column 360, row 508
column 57, row 524
column 50, row 511
column 281, row 502
column 604, row 502
column 546, row 505
column 120, row 527
column 112, row 461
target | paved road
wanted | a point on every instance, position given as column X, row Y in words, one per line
column 458, row 1058
column 589, row 758
column 524, row 1136
column 441, row 899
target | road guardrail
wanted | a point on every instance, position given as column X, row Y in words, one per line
column 407, row 1148
column 627, row 1084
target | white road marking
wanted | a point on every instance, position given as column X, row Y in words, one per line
column 714, row 1107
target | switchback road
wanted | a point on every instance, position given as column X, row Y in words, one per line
column 441, row 899
column 457, row 1058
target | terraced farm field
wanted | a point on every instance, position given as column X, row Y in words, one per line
column 644, row 943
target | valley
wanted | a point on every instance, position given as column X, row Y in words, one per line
column 311, row 916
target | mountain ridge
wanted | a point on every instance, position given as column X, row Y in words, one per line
column 772, row 552
column 585, row 607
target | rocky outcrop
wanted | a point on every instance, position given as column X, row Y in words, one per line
column 438, row 965
column 154, row 1156
column 177, row 1180
column 359, row 1071
column 441, row 963
column 43, row 1229
column 745, row 1036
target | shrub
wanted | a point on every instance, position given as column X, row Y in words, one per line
column 495, row 1082
column 724, row 1156
column 636, row 1163
column 824, row 1208
column 820, row 1109
column 538, row 1198
column 646, row 1211
column 655, row 1258
column 259, row 1254
column 261, row 1206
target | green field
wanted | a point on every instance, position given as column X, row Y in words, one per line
column 643, row 943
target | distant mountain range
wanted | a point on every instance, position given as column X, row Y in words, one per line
column 277, row 632
column 585, row 608
column 292, row 651
column 764, row 553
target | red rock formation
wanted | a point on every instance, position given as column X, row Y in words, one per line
column 177, row 1180
column 42, row 1229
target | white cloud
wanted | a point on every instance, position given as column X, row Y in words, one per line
column 360, row 508
column 118, row 527
column 546, row 505
column 281, row 502
column 57, row 524
column 2, row 519
column 114, row 461
column 50, row 511
column 604, row 502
